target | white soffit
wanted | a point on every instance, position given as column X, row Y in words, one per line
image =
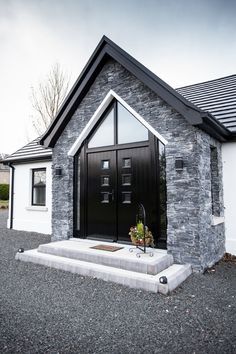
column 101, row 109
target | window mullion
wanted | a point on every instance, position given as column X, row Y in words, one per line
column 115, row 123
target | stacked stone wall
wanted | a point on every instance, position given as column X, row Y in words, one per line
column 190, row 236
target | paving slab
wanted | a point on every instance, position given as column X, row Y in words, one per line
column 53, row 255
column 152, row 262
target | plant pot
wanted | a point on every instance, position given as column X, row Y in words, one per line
column 140, row 242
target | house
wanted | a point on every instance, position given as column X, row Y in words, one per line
column 30, row 188
column 124, row 137
column 4, row 170
column 219, row 98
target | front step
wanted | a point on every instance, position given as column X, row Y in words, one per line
column 122, row 259
column 175, row 273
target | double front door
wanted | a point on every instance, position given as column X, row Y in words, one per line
column 117, row 181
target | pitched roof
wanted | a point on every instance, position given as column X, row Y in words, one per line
column 30, row 152
column 217, row 97
column 107, row 49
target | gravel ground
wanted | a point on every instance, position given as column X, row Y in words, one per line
column 44, row 310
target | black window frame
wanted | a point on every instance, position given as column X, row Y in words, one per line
column 112, row 106
column 34, row 186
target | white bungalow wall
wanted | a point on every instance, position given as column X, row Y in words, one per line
column 229, row 182
column 25, row 216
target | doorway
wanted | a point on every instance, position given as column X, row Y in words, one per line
column 116, row 182
column 119, row 168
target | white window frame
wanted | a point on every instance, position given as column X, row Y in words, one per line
column 97, row 115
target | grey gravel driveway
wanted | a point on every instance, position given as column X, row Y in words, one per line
column 44, row 310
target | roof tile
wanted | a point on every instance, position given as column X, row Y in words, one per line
column 217, row 97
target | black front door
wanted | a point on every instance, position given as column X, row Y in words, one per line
column 101, row 195
column 116, row 182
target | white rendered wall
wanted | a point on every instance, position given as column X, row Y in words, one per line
column 229, row 183
column 25, row 216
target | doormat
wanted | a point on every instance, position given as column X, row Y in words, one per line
column 107, row 248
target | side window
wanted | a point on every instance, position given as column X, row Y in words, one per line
column 39, row 186
column 162, row 189
column 215, row 192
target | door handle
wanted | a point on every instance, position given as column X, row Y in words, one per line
column 112, row 195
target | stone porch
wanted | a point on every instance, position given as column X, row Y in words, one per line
column 122, row 266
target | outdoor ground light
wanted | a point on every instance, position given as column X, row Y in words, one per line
column 20, row 250
column 163, row 280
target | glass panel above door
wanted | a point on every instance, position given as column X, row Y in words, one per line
column 130, row 130
column 104, row 134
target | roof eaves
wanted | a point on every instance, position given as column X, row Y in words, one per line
column 29, row 152
column 28, row 159
column 214, row 128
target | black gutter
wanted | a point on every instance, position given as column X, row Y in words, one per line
column 12, row 193
column 233, row 137
column 214, row 128
column 27, row 160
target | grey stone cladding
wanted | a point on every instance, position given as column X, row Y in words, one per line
column 191, row 238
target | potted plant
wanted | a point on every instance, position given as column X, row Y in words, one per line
column 137, row 235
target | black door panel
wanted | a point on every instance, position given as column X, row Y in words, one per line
column 134, row 186
column 101, row 212
column 117, row 181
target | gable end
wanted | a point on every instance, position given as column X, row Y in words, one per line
column 107, row 49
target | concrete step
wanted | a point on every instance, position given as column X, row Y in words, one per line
column 175, row 274
column 151, row 263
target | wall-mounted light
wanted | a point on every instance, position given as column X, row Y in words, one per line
column 179, row 164
column 21, row 250
column 58, row 171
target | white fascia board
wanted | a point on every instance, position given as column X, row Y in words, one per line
column 96, row 116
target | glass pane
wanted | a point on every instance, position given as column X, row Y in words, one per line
column 105, row 164
column 39, row 187
column 78, row 195
column 105, row 180
column 105, row 197
column 130, row 130
column 162, row 186
column 126, row 163
column 39, row 195
column 104, row 135
column 126, row 197
column 39, row 177
column 126, row 180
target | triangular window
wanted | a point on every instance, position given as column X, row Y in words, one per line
column 104, row 134
column 120, row 120
column 130, row 130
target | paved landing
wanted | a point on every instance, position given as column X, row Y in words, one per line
column 127, row 266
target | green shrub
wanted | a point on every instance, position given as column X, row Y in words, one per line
column 4, row 191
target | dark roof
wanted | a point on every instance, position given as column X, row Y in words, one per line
column 107, row 49
column 217, row 97
column 30, row 152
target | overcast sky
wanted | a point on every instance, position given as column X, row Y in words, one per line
column 181, row 41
